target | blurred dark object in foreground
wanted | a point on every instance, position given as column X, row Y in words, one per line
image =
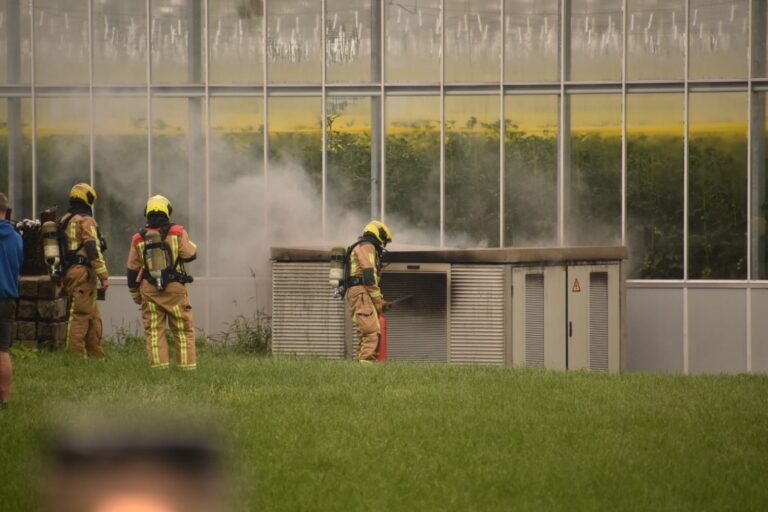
column 128, row 472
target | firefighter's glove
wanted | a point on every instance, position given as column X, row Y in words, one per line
column 386, row 305
column 104, row 282
column 136, row 296
column 28, row 225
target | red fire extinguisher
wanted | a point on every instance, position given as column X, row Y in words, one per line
column 382, row 352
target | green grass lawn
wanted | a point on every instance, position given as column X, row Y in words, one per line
column 307, row 434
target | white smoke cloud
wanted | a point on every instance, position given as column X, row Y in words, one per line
column 289, row 213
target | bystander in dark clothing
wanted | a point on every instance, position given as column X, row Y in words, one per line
column 11, row 257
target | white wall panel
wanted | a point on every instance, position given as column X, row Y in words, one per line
column 760, row 330
column 654, row 329
column 717, row 330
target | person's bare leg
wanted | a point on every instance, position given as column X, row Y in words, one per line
column 6, row 377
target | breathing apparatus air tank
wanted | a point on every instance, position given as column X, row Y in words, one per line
column 336, row 273
column 51, row 250
column 156, row 261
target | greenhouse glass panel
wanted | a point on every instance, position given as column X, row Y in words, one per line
column 119, row 42
column 530, row 170
column 61, row 41
column 759, row 227
column 175, row 143
column 412, row 170
column 293, row 41
column 596, row 40
column 294, row 172
column 759, row 48
column 16, row 154
column 348, row 159
column 532, row 40
column 593, row 203
column 472, row 40
column 413, row 41
column 655, row 162
column 351, row 31
column 63, row 154
column 717, row 186
column 655, row 39
column 718, row 41
column 236, row 41
column 237, row 184
column 15, row 42
column 176, row 32
column 472, row 171
column 120, row 169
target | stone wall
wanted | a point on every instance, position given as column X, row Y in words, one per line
column 41, row 316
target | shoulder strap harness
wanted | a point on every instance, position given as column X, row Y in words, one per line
column 350, row 280
column 69, row 257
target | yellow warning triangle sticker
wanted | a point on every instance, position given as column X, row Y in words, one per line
column 576, row 288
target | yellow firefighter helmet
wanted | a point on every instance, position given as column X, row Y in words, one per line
column 379, row 230
column 158, row 204
column 84, row 192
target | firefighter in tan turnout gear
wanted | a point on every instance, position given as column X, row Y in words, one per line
column 156, row 280
column 364, row 296
column 84, row 271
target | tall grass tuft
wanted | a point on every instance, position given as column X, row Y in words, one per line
column 245, row 334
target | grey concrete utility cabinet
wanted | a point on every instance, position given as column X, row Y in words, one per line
column 556, row 308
